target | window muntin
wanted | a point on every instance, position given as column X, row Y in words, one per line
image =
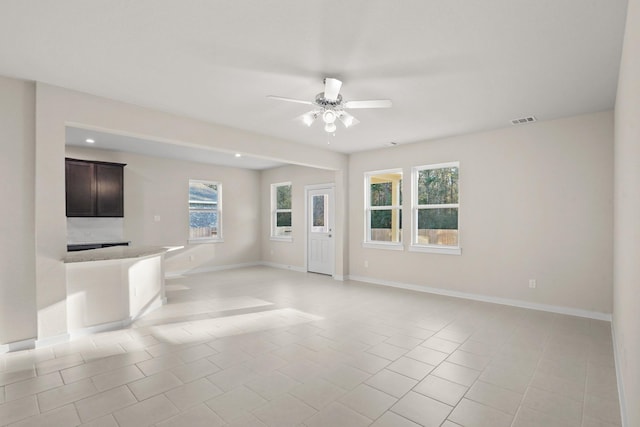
column 205, row 200
column 281, row 225
column 435, row 205
column 383, row 207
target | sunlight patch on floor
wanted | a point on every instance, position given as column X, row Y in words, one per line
column 183, row 332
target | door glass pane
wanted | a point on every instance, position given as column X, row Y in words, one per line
column 320, row 223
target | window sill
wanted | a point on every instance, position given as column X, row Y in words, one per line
column 444, row 250
column 383, row 245
column 198, row 241
column 281, row 238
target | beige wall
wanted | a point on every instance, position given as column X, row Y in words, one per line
column 285, row 253
column 535, row 203
column 17, row 238
column 156, row 186
column 50, row 224
column 626, row 290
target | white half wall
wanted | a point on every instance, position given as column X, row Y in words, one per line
column 626, row 288
column 535, row 203
column 17, row 237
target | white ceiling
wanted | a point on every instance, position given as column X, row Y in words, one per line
column 450, row 66
column 109, row 141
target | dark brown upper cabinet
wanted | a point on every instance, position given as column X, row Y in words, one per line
column 94, row 189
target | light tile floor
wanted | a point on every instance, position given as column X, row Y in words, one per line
column 266, row 347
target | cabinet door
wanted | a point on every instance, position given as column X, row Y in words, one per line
column 80, row 188
column 109, row 184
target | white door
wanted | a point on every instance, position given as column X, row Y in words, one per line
column 320, row 231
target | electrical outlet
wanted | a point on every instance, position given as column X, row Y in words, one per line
column 366, row 264
column 532, row 283
column 156, row 218
column 192, row 258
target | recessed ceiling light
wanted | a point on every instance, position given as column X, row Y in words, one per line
column 238, row 155
column 89, row 141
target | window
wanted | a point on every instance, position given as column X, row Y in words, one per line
column 281, row 211
column 383, row 209
column 435, row 208
column 205, row 200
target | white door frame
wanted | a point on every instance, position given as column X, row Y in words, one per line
column 332, row 207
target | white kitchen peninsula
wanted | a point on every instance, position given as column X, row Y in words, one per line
column 109, row 288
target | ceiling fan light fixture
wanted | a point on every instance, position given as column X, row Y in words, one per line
column 329, row 116
column 309, row 118
column 347, row 119
column 330, row 127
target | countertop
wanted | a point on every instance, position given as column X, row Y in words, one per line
column 96, row 242
column 117, row 252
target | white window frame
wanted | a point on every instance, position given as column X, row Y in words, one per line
column 378, row 244
column 415, row 207
column 218, row 238
column 275, row 211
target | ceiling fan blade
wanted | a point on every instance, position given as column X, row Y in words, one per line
column 281, row 98
column 331, row 88
column 308, row 118
column 374, row 103
column 347, row 119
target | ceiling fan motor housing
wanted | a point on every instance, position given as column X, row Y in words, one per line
column 328, row 103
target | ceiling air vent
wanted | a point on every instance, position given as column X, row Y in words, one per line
column 523, row 120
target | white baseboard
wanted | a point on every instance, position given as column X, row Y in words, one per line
column 57, row 339
column 198, row 270
column 618, row 363
column 181, row 273
column 96, row 329
column 283, row 266
column 339, row 278
column 18, row 345
column 571, row 311
column 496, row 300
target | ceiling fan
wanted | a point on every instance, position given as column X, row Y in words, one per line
column 330, row 106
